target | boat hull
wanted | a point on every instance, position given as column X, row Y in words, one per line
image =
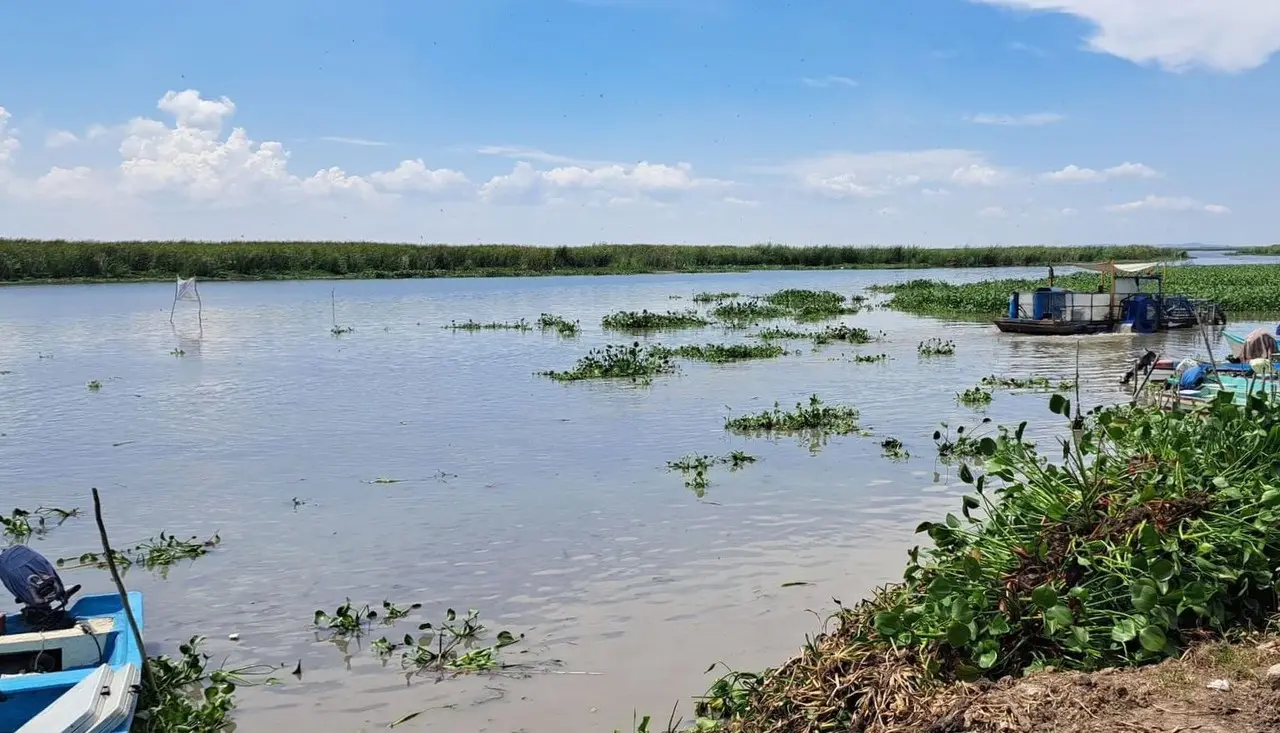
column 1047, row 327
column 26, row 696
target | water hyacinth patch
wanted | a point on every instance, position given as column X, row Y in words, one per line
column 647, row 320
column 634, row 362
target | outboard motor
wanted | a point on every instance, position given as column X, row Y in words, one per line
column 35, row 586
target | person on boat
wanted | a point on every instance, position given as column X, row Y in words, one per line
column 1050, row 275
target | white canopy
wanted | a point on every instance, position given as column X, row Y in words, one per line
column 1116, row 268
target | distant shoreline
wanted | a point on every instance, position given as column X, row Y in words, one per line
column 36, row 262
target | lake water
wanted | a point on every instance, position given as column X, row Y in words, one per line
column 547, row 506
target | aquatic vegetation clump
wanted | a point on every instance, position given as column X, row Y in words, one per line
column 451, row 647
column 1141, row 534
column 811, row 305
column 936, row 347
column 695, row 468
column 741, row 313
column 814, row 417
column 472, row 325
column 974, row 397
column 21, row 525
column 894, row 450
column 846, row 333
column 869, row 358
column 635, row 362
column 94, row 386
column 647, row 320
column 183, row 694
column 723, row 353
column 1033, row 383
column 960, row 443
column 774, row 333
column 714, row 297
column 154, row 553
column 562, row 326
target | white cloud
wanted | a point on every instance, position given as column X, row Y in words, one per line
column 516, row 152
column 8, row 140
column 526, row 184
column 1029, row 120
column 1167, row 203
column 993, row 212
column 1177, row 35
column 60, row 139
column 889, row 211
column 192, row 110
column 935, row 192
column 354, row 141
column 851, row 175
column 68, row 183
column 734, row 200
column 827, row 82
column 1075, row 173
column 1068, row 211
column 414, row 175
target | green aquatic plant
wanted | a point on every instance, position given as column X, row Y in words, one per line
column 21, row 525
column 695, row 468
column 346, row 621
column 812, row 422
column 723, row 353
column 635, row 362
column 893, row 449
column 562, row 326
column 184, row 694
column 94, row 386
column 451, row 646
column 647, row 320
column 869, row 358
column 959, row 444
column 178, row 352
column 714, row 297
column 774, row 333
column 472, row 325
column 1034, row 383
column 807, row 306
column 936, row 347
column 741, row 313
column 974, row 397
column 155, row 553
column 845, row 333
column 341, row 330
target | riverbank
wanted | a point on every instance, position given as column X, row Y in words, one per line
column 1155, row 537
column 1238, row 288
column 37, row 261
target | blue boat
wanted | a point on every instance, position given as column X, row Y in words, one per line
column 84, row 679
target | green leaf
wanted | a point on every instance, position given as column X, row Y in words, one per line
column 888, row 623
column 988, row 659
column 1124, row 631
column 987, row 446
column 1056, row 404
column 972, row 568
column 1270, row 497
column 966, row 475
column 998, row 626
column 957, row 634
column 953, row 521
column 1059, row 616
column 1143, row 595
column 960, row 611
column 1162, row 570
column 1045, row 596
column 941, row 587
column 1080, row 635
column 1152, row 638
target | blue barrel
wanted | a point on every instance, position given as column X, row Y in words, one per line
column 1040, row 306
column 1013, row 308
column 1140, row 312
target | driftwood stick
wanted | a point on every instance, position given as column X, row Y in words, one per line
column 124, row 595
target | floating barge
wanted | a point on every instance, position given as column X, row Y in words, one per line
column 1118, row 304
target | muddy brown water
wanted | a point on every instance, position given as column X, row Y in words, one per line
column 546, row 506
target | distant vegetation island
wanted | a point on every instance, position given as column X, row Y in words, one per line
column 50, row 261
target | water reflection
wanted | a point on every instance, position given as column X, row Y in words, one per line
column 546, row 506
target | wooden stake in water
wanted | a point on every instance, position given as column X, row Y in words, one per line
column 124, row 594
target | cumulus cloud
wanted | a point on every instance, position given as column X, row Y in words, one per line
column 8, row 140
column 1029, row 120
column 993, row 212
column 1177, row 35
column 1074, row 173
column 852, row 175
column 1167, row 203
column 414, row 175
column 526, row 184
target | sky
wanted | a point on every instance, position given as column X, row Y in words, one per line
column 927, row 122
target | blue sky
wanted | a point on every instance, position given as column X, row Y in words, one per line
column 935, row 122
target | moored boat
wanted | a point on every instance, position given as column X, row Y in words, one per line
column 66, row 669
